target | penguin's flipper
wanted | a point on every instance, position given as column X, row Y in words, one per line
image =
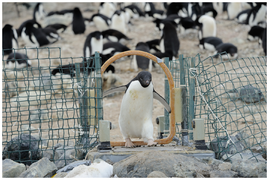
column 162, row 100
column 113, row 90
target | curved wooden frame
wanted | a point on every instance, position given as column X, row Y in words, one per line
column 172, row 93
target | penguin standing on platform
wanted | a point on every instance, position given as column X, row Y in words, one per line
column 135, row 118
column 93, row 43
column 78, row 25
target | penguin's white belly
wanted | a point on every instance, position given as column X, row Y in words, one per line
column 97, row 45
column 100, row 24
column 210, row 47
column 209, row 29
column 135, row 118
column 118, row 23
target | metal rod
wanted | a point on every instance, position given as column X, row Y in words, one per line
column 191, row 100
column 182, row 72
column 98, row 85
column 184, row 123
column 167, row 98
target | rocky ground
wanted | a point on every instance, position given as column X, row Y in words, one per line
column 157, row 164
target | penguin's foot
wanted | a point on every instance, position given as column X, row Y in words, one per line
column 151, row 142
column 129, row 143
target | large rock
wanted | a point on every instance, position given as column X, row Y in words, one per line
column 189, row 167
column 23, row 148
column 223, row 146
column 40, row 169
column 249, row 168
column 72, row 165
column 214, row 162
column 244, row 156
column 260, row 148
column 11, row 168
column 68, row 155
column 226, row 166
column 223, row 174
column 157, row 174
column 250, row 94
column 143, row 163
column 60, row 175
column 98, row 169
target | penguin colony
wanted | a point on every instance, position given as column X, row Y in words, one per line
column 109, row 28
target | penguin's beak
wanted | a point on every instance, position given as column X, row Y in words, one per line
column 147, row 82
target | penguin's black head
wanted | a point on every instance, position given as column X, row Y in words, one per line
column 7, row 27
column 77, row 11
column 144, row 77
column 117, row 12
column 97, row 35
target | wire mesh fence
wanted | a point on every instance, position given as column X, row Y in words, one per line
column 50, row 105
column 231, row 97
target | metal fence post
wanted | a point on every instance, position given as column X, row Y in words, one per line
column 184, row 123
column 191, row 99
column 167, row 98
column 182, row 72
column 98, row 93
column 83, row 104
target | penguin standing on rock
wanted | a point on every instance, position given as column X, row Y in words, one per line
column 135, row 120
column 9, row 39
column 78, row 24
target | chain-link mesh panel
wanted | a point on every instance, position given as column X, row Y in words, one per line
column 231, row 97
column 50, row 105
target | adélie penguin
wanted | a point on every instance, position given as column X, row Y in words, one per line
column 10, row 39
column 78, row 25
column 135, row 118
